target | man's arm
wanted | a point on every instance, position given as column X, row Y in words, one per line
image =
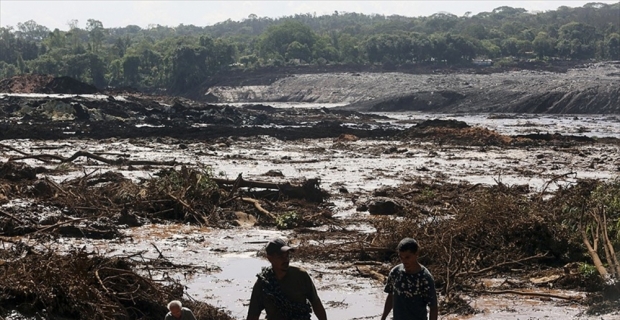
column 433, row 313
column 434, row 310
column 319, row 310
column 387, row 308
column 256, row 305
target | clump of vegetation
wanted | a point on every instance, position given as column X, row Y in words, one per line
column 288, row 220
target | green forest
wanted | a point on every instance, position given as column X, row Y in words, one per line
column 174, row 58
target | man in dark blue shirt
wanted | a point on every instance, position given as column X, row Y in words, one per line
column 410, row 287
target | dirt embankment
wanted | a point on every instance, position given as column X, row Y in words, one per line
column 585, row 89
column 34, row 83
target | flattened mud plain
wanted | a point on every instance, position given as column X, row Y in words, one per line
column 190, row 193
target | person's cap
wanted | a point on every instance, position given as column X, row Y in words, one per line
column 277, row 245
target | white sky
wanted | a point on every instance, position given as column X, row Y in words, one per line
column 120, row 13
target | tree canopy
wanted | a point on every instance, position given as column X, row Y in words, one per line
column 186, row 55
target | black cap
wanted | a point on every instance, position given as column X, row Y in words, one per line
column 277, row 245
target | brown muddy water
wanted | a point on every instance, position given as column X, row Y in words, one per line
column 226, row 261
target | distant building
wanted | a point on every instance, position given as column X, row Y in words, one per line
column 483, row 62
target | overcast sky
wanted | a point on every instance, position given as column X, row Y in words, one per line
column 119, row 13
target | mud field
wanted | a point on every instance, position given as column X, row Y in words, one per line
column 113, row 204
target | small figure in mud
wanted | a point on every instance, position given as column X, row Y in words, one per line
column 178, row 312
column 410, row 287
column 284, row 292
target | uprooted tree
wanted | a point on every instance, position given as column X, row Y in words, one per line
column 595, row 215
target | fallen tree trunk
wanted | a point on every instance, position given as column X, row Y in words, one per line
column 309, row 190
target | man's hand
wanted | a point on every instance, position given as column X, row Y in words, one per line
column 434, row 312
column 387, row 308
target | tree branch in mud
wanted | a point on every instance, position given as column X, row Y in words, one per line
column 197, row 216
column 59, row 224
column 259, row 208
column 477, row 272
column 2, row 145
column 555, row 179
column 47, row 157
column 20, row 152
column 533, row 294
column 11, row 216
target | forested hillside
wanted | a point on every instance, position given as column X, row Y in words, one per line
column 175, row 58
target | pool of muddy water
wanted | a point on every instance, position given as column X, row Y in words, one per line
column 228, row 260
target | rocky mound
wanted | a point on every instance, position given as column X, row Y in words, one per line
column 35, row 83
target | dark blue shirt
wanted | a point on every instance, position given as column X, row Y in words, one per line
column 412, row 293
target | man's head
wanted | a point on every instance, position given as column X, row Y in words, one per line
column 278, row 254
column 175, row 308
column 408, row 253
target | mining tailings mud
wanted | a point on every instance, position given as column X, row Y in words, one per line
column 115, row 204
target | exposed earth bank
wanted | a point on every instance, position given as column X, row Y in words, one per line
column 584, row 89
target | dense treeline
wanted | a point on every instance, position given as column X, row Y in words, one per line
column 179, row 57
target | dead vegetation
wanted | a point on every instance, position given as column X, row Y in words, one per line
column 468, row 232
column 96, row 205
column 84, row 285
column 472, row 232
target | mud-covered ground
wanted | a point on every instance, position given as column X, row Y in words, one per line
column 216, row 245
column 179, row 196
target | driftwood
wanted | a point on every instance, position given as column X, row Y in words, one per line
column 259, row 207
column 11, row 216
column 2, row 145
column 309, row 190
column 20, row 152
column 477, row 272
column 533, row 294
column 59, row 224
column 48, row 157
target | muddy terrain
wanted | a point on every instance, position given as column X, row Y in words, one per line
column 132, row 200
column 584, row 89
